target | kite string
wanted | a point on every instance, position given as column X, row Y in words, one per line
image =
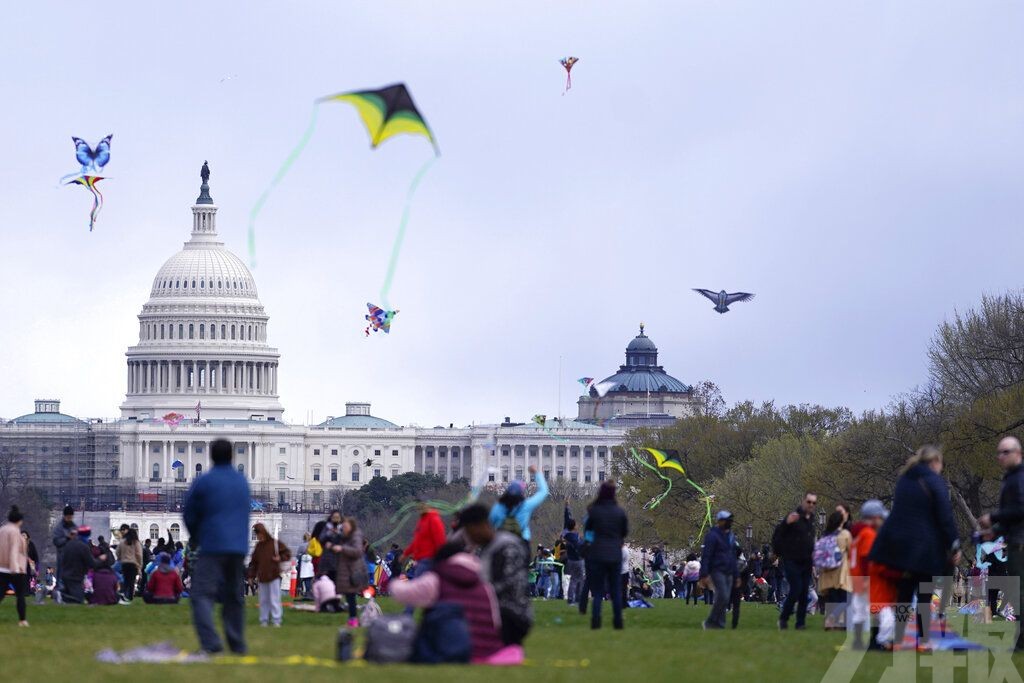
column 281, row 172
column 397, row 248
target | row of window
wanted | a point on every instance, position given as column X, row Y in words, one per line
column 355, row 451
column 559, row 474
column 174, row 530
column 282, row 472
column 243, row 285
column 241, row 332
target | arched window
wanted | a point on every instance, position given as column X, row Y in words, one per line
column 135, row 527
column 161, row 330
column 156, row 471
column 213, row 331
column 191, row 331
column 181, row 331
column 223, row 329
column 177, row 284
column 193, row 284
column 355, row 472
column 170, row 331
column 250, row 332
column 199, row 468
column 220, row 284
column 232, row 331
column 154, row 532
column 235, row 283
column 202, row 284
column 174, row 531
column 184, row 284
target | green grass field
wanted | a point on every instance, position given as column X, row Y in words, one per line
column 661, row 644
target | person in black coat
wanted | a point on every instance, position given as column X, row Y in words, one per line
column 919, row 538
column 76, row 560
column 794, row 543
column 605, row 531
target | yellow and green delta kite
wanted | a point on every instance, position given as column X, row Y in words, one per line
column 386, row 112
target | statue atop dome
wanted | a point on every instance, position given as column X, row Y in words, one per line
column 204, row 189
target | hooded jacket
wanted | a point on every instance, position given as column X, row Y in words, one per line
column 352, row 575
column 920, row 533
column 719, row 553
column 13, row 550
column 262, row 565
column 428, row 537
column 610, row 526
column 165, row 583
column 457, row 580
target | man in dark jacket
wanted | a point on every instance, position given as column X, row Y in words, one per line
column 1008, row 520
column 573, row 561
column 718, row 570
column 608, row 524
column 794, row 543
column 77, row 559
column 217, row 516
column 61, row 535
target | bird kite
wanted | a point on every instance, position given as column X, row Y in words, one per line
column 567, row 64
column 89, row 182
column 723, row 299
column 540, row 419
column 379, row 319
column 89, row 158
column 669, row 459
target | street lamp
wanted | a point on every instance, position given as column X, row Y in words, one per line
column 750, row 535
column 821, row 518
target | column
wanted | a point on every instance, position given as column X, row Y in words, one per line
column 189, row 467
column 255, row 460
column 165, row 470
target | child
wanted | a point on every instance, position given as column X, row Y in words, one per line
column 873, row 592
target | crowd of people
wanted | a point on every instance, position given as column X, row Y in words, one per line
column 480, row 572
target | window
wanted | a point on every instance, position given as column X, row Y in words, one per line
column 154, row 532
column 241, row 468
column 44, row 470
column 282, row 450
column 377, row 452
column 504, row 474
column 600, row 475
column 394, row 451
column 316, row 474
column 202, row 331
column 202, row 284
column 490, row 476
column 181, row 331
column 334, row 451
column 574, row 472
column 223, row 328
column 193, row 284
column 232, row 331
column 199, row 449
column 394, row 472
column 213, row 331
column 588, row 452
column 174, row 531
column 282, row 498
column 199, row 469
column 161, row 330
column 355, row 451
column 317, row 499
column 519, row 473
column 191, row 331
column 355, row 472
column 547, row 474
column 282, row 472
column 560, row 473
column 177, row 284
column 316, row 451
column 240, row 450
column 586, row 476
column 156, row 472
column 334, row 474
column 181, row 449
column 376, row 472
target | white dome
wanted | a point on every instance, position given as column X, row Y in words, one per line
column 204, row 269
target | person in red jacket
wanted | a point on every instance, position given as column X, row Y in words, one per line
column 164, row 586
column 427, row 539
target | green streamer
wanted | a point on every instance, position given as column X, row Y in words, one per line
column 397, row 247
column 281, row 172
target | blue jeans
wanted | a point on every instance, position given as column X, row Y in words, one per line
column 798, row 576
column 723, row 592
column 604, row 577
column 219, row 577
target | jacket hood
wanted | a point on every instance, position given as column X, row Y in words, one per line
column 919, row 470
column 461, row 569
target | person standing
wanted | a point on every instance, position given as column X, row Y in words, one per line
column 328, row 532
column 217, row 517
column 610, row 527
column 691, row 575
column 76, row 561
column 1008, row 520
column 834, row 584
column 265, row 567
column 793, row 541
column 718, row 568
column 919, row 538
column 352, row 576
column 129, row 554
column 573, row 562
column 147, row 557
column 427, row 539
column 306, row 573
column 14, row 562
column 61, row 535
column 513, row 510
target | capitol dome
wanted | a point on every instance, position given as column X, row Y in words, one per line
column 203, row 334
column 641, row 373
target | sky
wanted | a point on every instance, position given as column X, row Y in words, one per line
column 859, row 166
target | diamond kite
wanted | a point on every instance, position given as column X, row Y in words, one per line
column 379, row 319
column 567, row 63
column 386, row 112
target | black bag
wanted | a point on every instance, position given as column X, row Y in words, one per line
column 443, row 637
column 390, row 638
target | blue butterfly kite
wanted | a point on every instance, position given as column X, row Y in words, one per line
column 89, row 158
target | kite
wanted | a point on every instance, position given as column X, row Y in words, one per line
column 540, row 419
column 567, row 64
column 176, row 464
column 89, row 158
column 172, row 419
column 586, row 381
column 996, row 548
column 386, row 112
column 379, row 319
column 723, row 299
column 89, row 182
column 669, row 459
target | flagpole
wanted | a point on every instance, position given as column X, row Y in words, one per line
column 559, row 387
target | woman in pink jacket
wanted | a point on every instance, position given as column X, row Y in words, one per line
column 14, row 561
column 455, row 577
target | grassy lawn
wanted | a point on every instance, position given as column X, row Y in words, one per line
column 661, row 644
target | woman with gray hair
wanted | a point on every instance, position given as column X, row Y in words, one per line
column 919, row 538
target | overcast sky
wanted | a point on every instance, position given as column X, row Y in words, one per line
column 857, row 165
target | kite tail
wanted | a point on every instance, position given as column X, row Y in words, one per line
column 97, row 204
column 397, row 248
column 653, row 502
column 281, row 172
column 707, row 502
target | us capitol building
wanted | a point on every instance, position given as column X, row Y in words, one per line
column 204, row 354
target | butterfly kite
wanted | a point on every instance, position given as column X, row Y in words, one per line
column 172, row 419
column 89, row 182
column 669, row 459
column 92, row 159
column 379, row 319
column 567, row 63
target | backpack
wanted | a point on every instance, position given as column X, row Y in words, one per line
column 390, row 638
column 443, row 637
column 827, row 554
column 314, row 548
column 511, row 524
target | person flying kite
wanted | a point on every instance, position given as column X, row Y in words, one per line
column 723, row 299
column 567, row 64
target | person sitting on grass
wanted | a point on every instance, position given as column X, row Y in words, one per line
column 76, row 561
column 164, row 586
column 104, row 579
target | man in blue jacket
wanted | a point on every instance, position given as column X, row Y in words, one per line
column 217, row 517
column 718, row 569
